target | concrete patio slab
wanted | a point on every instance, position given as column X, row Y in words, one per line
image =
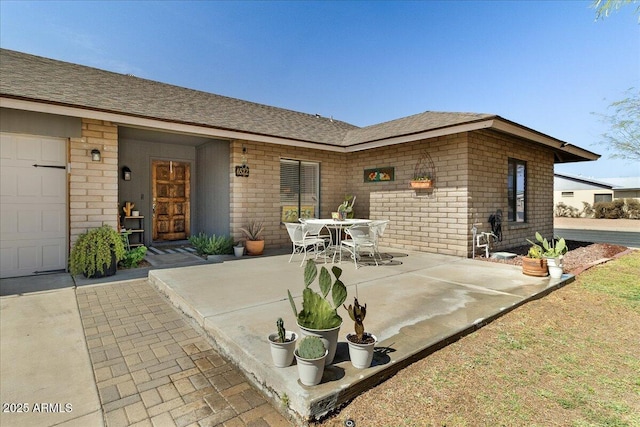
column 416, row 303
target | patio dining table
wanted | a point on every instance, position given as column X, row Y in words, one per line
column 337, row 225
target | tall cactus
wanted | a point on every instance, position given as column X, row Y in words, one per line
column 281, row 333
column 357, row 313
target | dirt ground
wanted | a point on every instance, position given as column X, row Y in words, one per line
column 581, row 255
column 563, row 360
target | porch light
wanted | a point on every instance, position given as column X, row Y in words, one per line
column 95, row 155
column 126, row 173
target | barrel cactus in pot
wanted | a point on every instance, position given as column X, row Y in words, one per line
column 310, row 356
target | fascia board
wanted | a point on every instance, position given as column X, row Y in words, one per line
column 529, row 134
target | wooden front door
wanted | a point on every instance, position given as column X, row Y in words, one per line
column 171, row 200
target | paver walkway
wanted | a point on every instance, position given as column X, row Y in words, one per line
column 153, row 368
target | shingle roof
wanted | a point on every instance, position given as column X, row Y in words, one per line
column 33, row 77
column 30, row 77
column 429, row 120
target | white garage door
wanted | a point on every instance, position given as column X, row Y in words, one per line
column 33, row 226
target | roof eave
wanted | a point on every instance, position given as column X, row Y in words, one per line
column 564, row 151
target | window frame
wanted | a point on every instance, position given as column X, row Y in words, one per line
column 513, row 190
column 298, row 187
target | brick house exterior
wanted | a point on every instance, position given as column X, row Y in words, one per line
column 135, row 121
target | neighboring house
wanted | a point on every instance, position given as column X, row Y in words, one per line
column 625, row 188
column 576, row 190
column 204, row 162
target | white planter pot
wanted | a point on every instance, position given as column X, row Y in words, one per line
column 238, row 250
column 361, row 355
column 310, row 370
column 555, row 267
column 329, row 338
column 282, row 352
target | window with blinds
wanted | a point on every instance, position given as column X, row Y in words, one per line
column 299, row 189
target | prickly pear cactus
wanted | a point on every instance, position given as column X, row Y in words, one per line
column 311, row 348
column 317, row 311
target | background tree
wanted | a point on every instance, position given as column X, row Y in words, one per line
column 605, row 7
column 623, row 137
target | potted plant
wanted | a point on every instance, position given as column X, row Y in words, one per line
column 283, row 344
column 345, row 210
column 96, row 253
column 361, row 344
column 421, row 181
column 318, row 316
column 552, row 252
column 238, row 249
column 534, row 264
column 310, row 358
column 253, row 233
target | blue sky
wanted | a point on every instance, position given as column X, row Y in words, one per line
column 547, row 65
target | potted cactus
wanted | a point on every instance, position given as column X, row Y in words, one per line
column 282, row 344
column 361, row 344
column 310, row 357
column 553, row 252
column 254, row 241
column 319, row 317
column 534, row 264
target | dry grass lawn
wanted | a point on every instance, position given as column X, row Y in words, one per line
column 571, row 358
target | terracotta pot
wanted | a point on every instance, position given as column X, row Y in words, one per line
column 254, row 247
column 421, row 184
column 534, row 266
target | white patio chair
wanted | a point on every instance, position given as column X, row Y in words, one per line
column 377, row 228
column 302, row 240
column 359, row 237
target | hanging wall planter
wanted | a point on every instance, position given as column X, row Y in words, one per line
column 423, row 173
column 421, row 183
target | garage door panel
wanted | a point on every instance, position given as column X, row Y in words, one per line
column 28, row 149
column 8, row 184
column 33, row 225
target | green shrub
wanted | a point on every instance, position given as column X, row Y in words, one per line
column 563, row 210
column 211, row 245
column 93, row 250
column 587, row 210
column 610, row 210
column 632, row 208
column 133, row 257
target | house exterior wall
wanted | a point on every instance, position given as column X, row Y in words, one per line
column 422, row 220
column 489, row 153
column 212, row 187
column 470, row 184
column 93, row 186
column 258, row 195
